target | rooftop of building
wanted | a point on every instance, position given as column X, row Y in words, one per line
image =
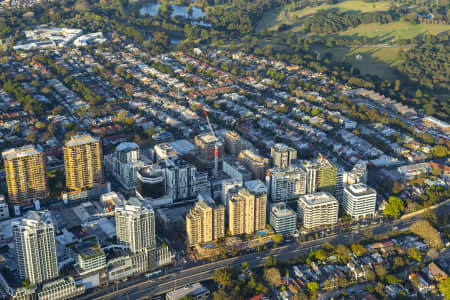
column 282, row 147
column 127, row 146
column 232, row 134
column 207, row 138
column 81, row 139
column 87, row 248
column 133, row 204
column 24, row 151
column 256, row 186
column 289, row 171
column 35, row 218
column 360, row 189
column 252, row 156
column 164, row 147
column 317, row 199
column 281, row 210
column 193, row 289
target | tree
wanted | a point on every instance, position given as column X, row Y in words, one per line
column 223, row 277
column 430, row 216
column 391, row 279
column 397, row 188
column 394, row 207
column 328, row 247
column 414, row 253
column 431, row 236
column 312, row 287
column 278, row 238
column 380, row 270
column 370, row 275
column 342, row 253
column 272, row 276
column 439, row 151
column 398, row 262
column 40, row 125
column 31, row 137
column 271, row 261
column 244, row 265
column 444, row 287
column 17, row 129
column 358, row 249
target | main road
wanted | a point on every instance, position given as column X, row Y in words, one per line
column 135, row 289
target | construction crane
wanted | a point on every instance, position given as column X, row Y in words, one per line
column 216, row 144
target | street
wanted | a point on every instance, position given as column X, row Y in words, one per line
column 176, row 279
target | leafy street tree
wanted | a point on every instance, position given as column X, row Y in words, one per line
column 394, row 207
column 380, row 270
column 272, row 276
column 358, row 249
column 271, row 261
column 370, row 275
column 223, row 278
column 428, row 233
column 444, row 287
column 440, row 151
column 414, row 253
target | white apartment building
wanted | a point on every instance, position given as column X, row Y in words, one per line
column 164, row 151
column 125, row 163
column 135, row 225
column 34, row 242
column 359, row 200
column 283, row 219
column 4, row 210
column 317, row 209
column 286, row 184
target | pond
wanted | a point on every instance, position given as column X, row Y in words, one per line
column 151, row 9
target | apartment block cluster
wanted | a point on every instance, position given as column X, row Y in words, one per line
column 41, row 242
column 245, row 202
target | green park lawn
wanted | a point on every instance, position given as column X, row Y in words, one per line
column 271, row 20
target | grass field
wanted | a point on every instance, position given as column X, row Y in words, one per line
column 385, row 33
column 377, row 61
column 273, row 19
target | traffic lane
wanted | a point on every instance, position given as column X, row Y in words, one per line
column 285, row 252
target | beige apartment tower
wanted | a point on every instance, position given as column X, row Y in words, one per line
column 256, row 163
column 205, row 222
column 83, row 162
column 247, row 212
column 26, row 174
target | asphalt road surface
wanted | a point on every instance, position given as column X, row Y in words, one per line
column 133, row 289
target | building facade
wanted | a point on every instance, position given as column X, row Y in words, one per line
column 286, row 184
column 83, row 162
column 60, row 289
column 246, row 212
column 282, row 155
column 255, row 163
column 126, row 163
column 317, row 209
column 283, row 219
column 205, row 222
column 232, row 142
column 135, row 225
column 359, row 200
column 34, row 242
column 205, row 144
column 26, row 175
